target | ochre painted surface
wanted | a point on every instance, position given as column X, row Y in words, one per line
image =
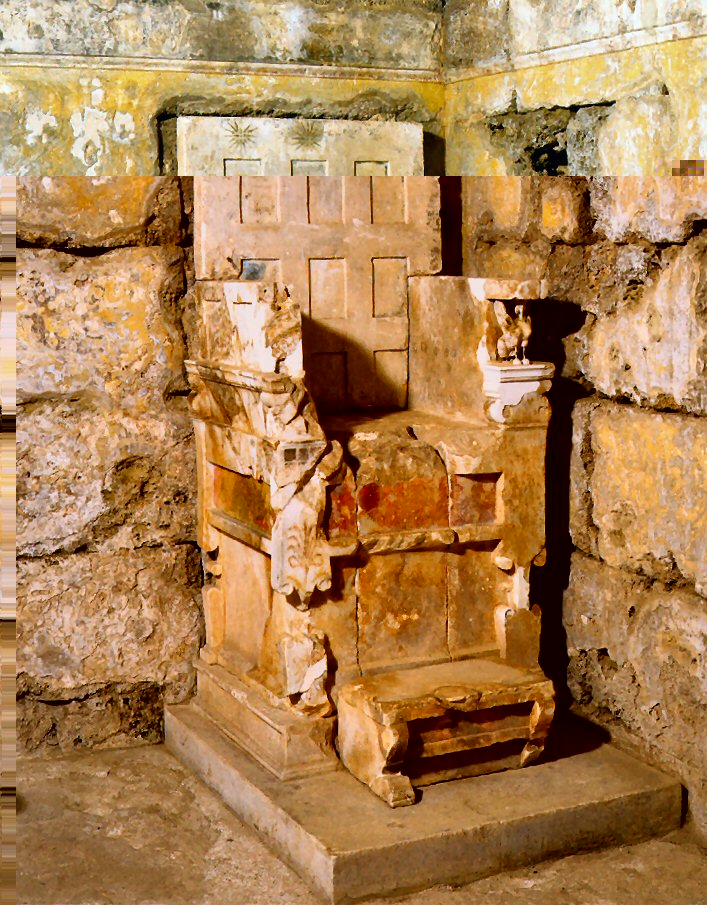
column 81, row 119
column 101, row 121
column 659, row 114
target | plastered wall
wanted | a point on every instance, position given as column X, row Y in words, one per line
column 608, row 88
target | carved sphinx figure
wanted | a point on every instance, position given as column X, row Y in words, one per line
column 515, row 333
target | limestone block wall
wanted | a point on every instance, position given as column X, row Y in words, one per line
column 623, row 264
column 108, row 567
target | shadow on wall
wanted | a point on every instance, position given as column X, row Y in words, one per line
column 343, row 375
column 451, row 214
column 555, row 141
column 552, row 321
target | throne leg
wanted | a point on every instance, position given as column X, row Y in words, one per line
column 373, row 753
column 540, row 720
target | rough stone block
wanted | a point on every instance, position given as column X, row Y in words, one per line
column 640, row 480
column 657, row 208
column 582, row 528
column 106, row 715
column 123, row 618
column 402, row 610
column 87, row 476
column 637, row 665
column 496, row 207
column 507, row 259
column 638, row 135
column 104, row 327
column 76, row 212
column 600, row 277
column 564, row 209
column 655, row 351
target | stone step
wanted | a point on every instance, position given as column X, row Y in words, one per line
column 348, row 844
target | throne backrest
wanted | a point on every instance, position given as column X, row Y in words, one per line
column 345, row 247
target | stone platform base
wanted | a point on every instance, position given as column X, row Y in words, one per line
column 348, row 844
column 282, row 742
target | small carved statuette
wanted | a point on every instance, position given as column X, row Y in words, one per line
column 515, row 333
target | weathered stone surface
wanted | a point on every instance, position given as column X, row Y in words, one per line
column 660, row 209
column 548, row 118
column 108, row 594
column 583, row 530
column 143, row 211
column 639, row 483
column 524, row 207
column 105, row 327
column 600, row 277
column 103, row 456
column 475, row 32
column 388, row 33
column 638, row 666
column 498, row 207
column 564, row 209
column 88, row 477
column 582, row 140
column 267, row 146
column 108, row 715
column 120, row 618
column 490, row 36
column 402, row 609
column 654, row 350
column 638, row 136
column 534, row 139
column 507, row 259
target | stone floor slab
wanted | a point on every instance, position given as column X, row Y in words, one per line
column 134, row 826
column 348, row 845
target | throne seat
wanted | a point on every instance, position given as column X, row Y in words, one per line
column 408, row 728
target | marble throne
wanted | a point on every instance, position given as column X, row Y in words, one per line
column 371, row 443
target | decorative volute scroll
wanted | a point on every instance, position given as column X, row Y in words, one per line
column 258, row 386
